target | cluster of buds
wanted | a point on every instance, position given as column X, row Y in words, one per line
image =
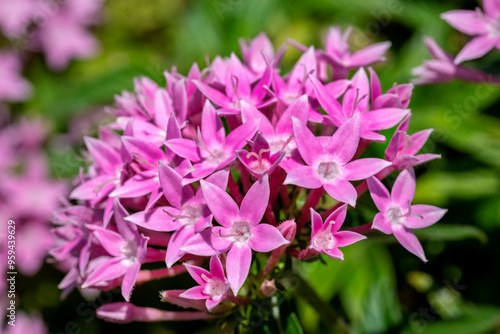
column 229, row 164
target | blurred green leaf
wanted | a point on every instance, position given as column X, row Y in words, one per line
column 451, row 232
column 479, row 320
column 293, row 325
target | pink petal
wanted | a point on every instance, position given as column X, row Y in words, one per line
column 299, row 109
column 250, row 112
column 369, row 55
column 222, row 206
column 307, row 143
column 103, row 155
column 129, row 280
column 363, row 168
column 427, row 215
column 345, row 140
column 171, row 184
column 382, row 119
column 335, row 253
column 239, row 136
column 111, row 241
column 238, row 263
column 409, row 241
column 197, row 273
column 338, row 217
column 327, row 101
column 403, row 190
column 360, row 88
column 476, row 48
column 304, row 66
column 195, row 293
column 157, row 219
column 469, row 22
column 304, row 176
column 346, row 238
column 213, row 94
column 316, row 222
column 236, row 73
column 212, row 129
column 379, row 193
column 254, row 203
column 338, row 87
column 108, row 271
column 219, row 178
column 143, row 150
column 375, row 87
column 137, row 186
column 265, row 238
column 342, row 191
column 418, row 141
column 185, row 148
column 178, row 239
column 492, row 8
column 380, row 223
column 93, row 188
column 163, row 108
column 210, row 303
column 216, row 268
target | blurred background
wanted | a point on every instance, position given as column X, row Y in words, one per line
column 382, row 288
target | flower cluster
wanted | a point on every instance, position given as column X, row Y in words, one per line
column 56, row 28
column 206, row 167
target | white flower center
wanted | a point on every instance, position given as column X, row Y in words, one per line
column 191, row 214
column 324, row 240
column 329, row 170
column 240, row 231
column 129, row 252
column 395, row 215
column 215, row 288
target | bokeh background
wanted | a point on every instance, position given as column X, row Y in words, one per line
column 381, row 288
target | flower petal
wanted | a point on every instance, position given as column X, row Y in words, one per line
column 222, row 206
column 470, row 22
column 265, row 238
column 316, row 222
column 216, row 268
column 379, row 193
column 304, row 176
column 195, row 293
column 403, row 190
column 342, row 191
column 363, row 168
column 409, row 241
column 380, row 223
column 476, row 48
column 129, row 280
column 344, row 142
column 427, row 215
column 338, row 217
column 238, row 263
column 307, row 143
column 255, row 202
column 197, row 273
column 346, row 238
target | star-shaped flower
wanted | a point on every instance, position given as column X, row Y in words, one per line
column 328, row 161
column 397, row 216
column 326, row 238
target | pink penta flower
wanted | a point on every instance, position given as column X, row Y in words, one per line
column 213, row 286
column 484, row 27
column 328, row 161
column 397, row 216
column 260, row 161
column 403, row 148
column 240, row 232
column 326, row 238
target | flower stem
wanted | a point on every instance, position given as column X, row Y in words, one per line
column 312, row 201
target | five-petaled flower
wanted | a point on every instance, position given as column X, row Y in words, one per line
column 397, row 215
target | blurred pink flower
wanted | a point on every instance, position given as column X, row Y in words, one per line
column 13, row 87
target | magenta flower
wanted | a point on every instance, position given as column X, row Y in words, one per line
column 187, row 215
column 257, row 53
column 328, row 161
column 483, row 27
column 127, row 249
column 402, row 148
column 326, row 238
column 397, row 215
column 260, row 161
column 240, row 232
column 213, row 150
column 213, row 285
column 356, row 100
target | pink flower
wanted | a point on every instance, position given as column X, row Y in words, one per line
column 328, row 161
column 484, row 27
column 240, row 232
column 326, row 238
column 213, row 285
column 13, row 87
column 260, row 161
column 397, row 215
column 15, row 15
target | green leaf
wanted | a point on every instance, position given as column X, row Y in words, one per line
column 451, row 232
column 293, row 325
column 479, row 320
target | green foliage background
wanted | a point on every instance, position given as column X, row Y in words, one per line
column 380, row 288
